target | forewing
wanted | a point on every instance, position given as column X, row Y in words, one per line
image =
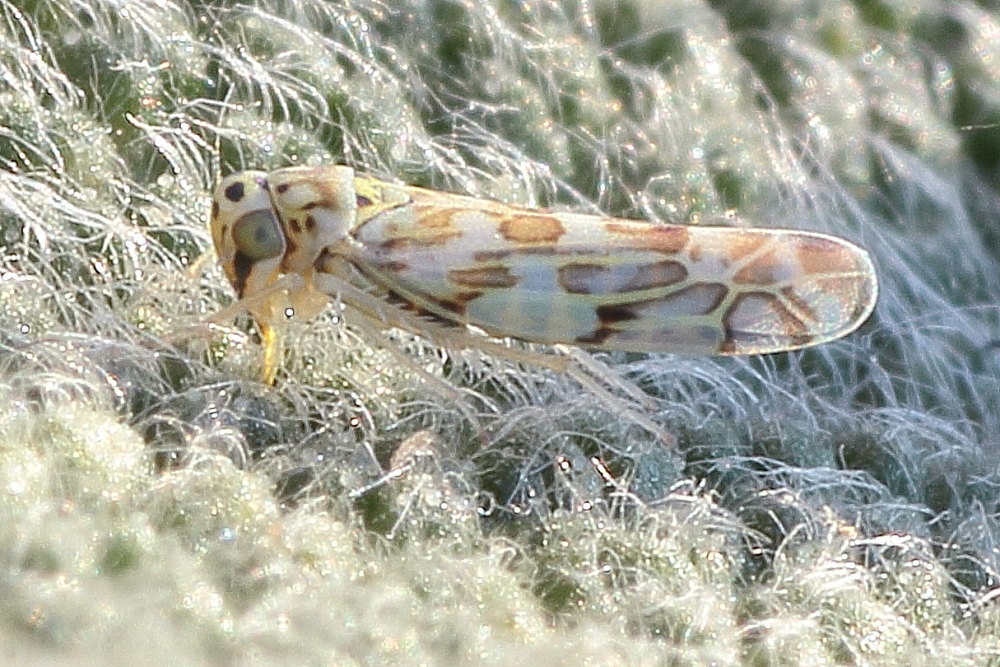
column 615, row 284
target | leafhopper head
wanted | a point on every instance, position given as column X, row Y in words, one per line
column 266, row 224
column 247, row 234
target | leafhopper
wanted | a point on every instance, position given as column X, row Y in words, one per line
column 445, row 265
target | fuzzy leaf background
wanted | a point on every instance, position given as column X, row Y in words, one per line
column 160, row 504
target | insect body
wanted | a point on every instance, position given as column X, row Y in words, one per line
column 427, row 260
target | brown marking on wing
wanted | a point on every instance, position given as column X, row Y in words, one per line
column 713, row 295
column 432, row 238
column 583, row 278
column 822, row 255
column 795, row 327
column 729, row 344
column 658, row 274
column 668, row 239
column 487, row 276
column 531, row 228
column 487, row 256
column 432, row 227
column 596, row 337
column 741, row 243
column 433, row 218
column 802, row 307
column 795, row 330
column 387, row 265
column 614, row 313
column 395, row 266
column 607, row 317
column 767, row 270
column 735, row 245
column 858, row 290
column 457, row 304
column 423, row 313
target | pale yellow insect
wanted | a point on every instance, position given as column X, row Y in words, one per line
column 437, row 264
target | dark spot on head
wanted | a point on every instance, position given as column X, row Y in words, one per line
column 294, row 224
column 282, row 188
column 235, row 192
column 215, row 210
column 363, row 201
column 242, row 265
column 310, row 223
column 310, row 206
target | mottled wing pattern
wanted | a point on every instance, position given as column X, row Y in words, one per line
column 612, row 284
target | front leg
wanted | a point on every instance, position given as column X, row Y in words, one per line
column 289, row 296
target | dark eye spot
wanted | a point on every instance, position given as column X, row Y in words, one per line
column 258, row 236
column 310, row 223
column 363, row 201
column 235, row 192
column 242, row 266
column 282, row 188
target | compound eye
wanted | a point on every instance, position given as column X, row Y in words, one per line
column 258, row 236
